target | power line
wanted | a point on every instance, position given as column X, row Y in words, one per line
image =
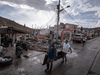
column 87, row 6
column 50, row 24
column 85, row 3
column 70, row 16
column 48, row 16
column 52, row 17
column 49, row 21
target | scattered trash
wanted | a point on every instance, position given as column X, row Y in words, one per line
column 91, row 72
column 72, row 55
column 25, row 56
column 35, row 58
column 21, row 70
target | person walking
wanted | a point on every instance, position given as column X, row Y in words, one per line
column 51, row 55
column 84, row 40
column 92, row 35
column 66, row 47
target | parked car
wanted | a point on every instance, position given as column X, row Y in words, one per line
column 78, row 37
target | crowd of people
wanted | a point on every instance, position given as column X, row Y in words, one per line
column 6, row 42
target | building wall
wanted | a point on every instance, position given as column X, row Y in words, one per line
column 51, row 28
column 72, row 27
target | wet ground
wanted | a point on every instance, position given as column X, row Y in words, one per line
column 83, row 61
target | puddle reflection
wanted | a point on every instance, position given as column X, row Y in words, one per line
column 72, row 55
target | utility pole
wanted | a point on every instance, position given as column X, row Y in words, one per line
column 32, row 29
column 35, row 27
column 58, row 7
column 32, row 26
column 81, row 29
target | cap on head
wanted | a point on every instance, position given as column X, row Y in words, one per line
column 53, row 42
column 66, row 40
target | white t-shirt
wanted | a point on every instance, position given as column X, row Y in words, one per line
column 84, row 39
column 66, row 47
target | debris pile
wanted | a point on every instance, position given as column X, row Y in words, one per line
column 38, row 45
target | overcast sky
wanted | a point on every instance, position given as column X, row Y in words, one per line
column 43, row 13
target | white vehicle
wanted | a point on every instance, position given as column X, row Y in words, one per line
column 78, row 37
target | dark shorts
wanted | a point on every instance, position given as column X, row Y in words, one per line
column 84, row 41
column 64, row 54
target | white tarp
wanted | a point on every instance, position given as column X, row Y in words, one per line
column 4, row 27
column 59, row 32
column 45, row 32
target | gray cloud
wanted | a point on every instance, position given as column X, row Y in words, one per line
column 37, row 4
column 95, row 2
column 79, row 10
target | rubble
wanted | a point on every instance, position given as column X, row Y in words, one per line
column 38, row 45
column 25, row 56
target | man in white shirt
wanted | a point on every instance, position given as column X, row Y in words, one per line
column 66, row 48
column 84, row 40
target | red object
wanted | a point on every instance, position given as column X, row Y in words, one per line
column 63, row 34
column 40, row 36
